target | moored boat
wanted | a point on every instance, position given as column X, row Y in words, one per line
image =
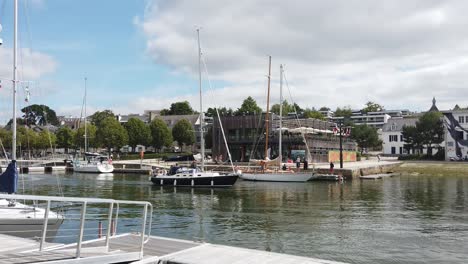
column 194, row 177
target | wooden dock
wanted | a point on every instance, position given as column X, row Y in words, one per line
column 125, row 249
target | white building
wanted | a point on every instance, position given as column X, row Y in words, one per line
column 374, row 119
column 392, row 137
column 456, row 133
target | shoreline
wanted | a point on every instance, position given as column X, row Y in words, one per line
column 434, row 168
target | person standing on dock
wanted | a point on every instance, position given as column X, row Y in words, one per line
column 306, row 164
column 332, row 166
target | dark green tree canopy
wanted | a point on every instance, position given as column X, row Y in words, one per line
column 183, row 133
column 65, row 138
column 111, row 134
column 138, row 132
column 39, row 115
column 179, row 108
column 161, row 134
column 428, row 132
column 99, row 116
column 324, row 108
column 248, row 107
column 312, row 113
column 365, row 136
column 287, row 108
column 372, row 107
column 79, row 136
column 345, row 112
column 223, row 111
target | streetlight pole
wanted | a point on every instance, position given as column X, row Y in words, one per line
column 339, row 122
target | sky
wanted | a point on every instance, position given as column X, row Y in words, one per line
column 142, row 55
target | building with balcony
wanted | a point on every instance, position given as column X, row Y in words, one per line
column 246, row 138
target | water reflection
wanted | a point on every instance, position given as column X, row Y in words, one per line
column 397, row 220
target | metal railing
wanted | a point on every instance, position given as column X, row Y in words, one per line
column 113, row 210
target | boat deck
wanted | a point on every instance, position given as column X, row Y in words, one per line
column 124, row 249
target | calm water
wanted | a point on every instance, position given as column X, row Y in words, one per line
column 405, row 219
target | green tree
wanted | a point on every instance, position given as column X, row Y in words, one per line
column 179, row 108
column 372, row 107
column 223, row 111
column 412, row 138
column 99, row 116
column 138, row 133
column 366, row 137
column 311, row 113
column 45, row 140
column 161, row 134
column 26, row 138
column 431, row 129
column 345, row 112
column 287, row 108
column 296, row 108
column 5, row 137
column 65, row 138
column 111, row 134
column 249, row 107
column 183, row 133
column 79, row 136
column 39, row 115
column 324, row 108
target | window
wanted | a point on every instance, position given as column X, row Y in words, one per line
column 461, row 119
column 450, row 144
column 401, row 150
column 401, row 138
column 390, row 138
column 393, row 150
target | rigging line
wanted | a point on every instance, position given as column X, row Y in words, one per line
column 297, row 116
column 219, row 117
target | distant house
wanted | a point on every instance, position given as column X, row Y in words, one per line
column 391, row 133
column 124, row 118
column 392, row 137
column 71, row 122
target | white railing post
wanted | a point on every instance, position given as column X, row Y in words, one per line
column 143, row 230
column 116, row 221
column 82, row 222
column 44, row 228
column 109, row 225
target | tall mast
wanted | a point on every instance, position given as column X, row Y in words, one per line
column 281, row 116
column 85, row 117
column 267, row 116
column 202, row 140
column 15, row 72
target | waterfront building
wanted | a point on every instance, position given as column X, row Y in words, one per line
column 246, row 138
column 392, row 137
column 456, row 134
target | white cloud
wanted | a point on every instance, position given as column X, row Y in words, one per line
column 31, row 67
column 337, row 53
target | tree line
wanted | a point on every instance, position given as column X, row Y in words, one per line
column 103, row 130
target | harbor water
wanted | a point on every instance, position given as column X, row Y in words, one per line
column 404, row 219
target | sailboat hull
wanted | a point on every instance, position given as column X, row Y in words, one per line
column 196, row 181
column 27, row 221
column 93, row 168
column 276, row 177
